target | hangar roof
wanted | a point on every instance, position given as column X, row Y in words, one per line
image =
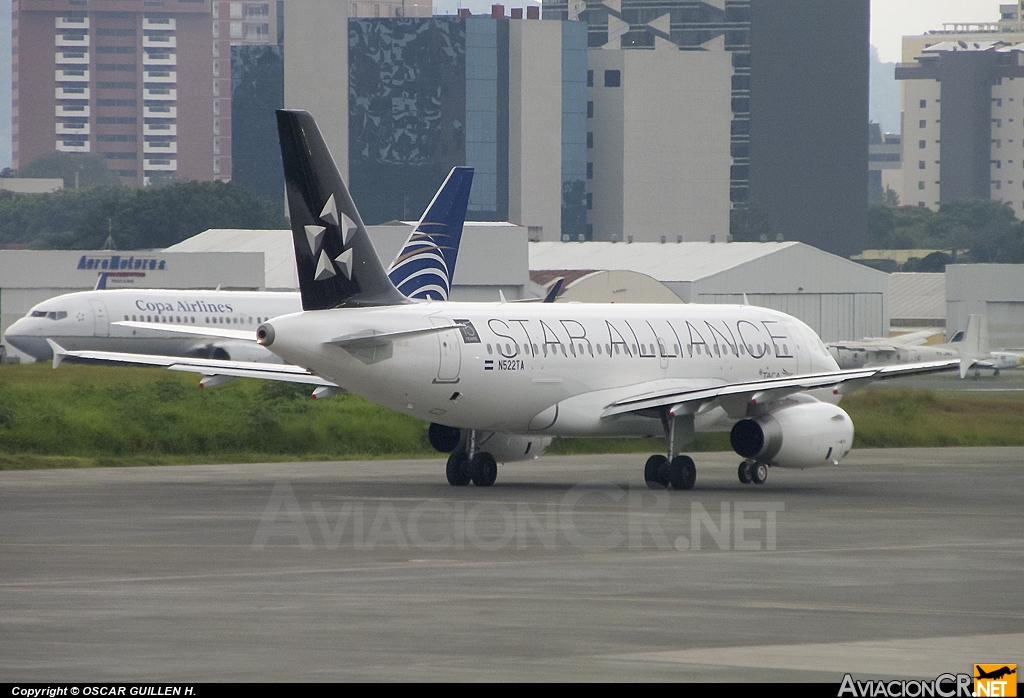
column 670, row 261
column 276, row 246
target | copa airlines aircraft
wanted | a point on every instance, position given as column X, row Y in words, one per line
column 498, row 380
column 88, row 320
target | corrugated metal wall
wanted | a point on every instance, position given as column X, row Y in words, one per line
column 834, row 316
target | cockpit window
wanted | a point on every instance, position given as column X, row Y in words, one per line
column 52, row 315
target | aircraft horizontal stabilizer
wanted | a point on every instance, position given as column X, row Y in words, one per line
column 209, row 367
column 374, row 338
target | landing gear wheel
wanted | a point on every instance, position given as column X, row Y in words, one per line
column 483, row 469
column 656, row 472
column 758, row 473
column 745, row 476
column 457, row 469
column 682, row 473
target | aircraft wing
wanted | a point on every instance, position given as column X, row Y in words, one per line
column 864, row 347
column 208, row 367
column 886, row 343
column 735, row 398
column 243, row 335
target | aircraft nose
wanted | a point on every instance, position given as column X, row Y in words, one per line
column 32, row 344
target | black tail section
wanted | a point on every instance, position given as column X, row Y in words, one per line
column 336, row 262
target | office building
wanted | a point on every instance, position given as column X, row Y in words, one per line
column 505, row 96
column 794, row 76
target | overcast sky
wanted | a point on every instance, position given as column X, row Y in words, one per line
column 892, row 19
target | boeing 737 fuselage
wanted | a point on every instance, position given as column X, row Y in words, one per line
column 87, row 321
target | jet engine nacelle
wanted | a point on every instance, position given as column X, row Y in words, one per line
column 506, row 448
column 235, row 351
column 801, row 435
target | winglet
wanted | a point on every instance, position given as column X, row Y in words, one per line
column 58, row 352
column 745, row 301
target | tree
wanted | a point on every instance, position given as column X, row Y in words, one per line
column 881, row 224
column 91, row 170
column 139, row 218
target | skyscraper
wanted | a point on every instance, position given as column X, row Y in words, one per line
column 795, row 76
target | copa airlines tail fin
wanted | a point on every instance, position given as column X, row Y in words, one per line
column 335, row 259
column 426, row 265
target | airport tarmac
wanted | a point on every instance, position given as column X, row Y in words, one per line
column 896, row 564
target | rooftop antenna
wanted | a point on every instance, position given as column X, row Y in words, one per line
column 109, row 244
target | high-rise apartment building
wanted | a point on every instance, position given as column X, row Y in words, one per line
column 963, row 122
column 145, row 84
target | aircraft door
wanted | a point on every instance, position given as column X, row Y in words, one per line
column 101, row 323
column 450, row 353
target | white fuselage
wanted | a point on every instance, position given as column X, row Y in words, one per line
column 859, row 357
column 85, row 321
column 547, row 368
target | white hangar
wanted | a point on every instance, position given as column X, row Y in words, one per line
column 838, row 298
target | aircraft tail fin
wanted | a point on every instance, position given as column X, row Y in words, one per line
column 425, row 267
column 336, row 262
column 556, row 288
column 975, row 343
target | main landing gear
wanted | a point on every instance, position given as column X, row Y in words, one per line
column 467, row 464
column 753, row 472
column 673, row 469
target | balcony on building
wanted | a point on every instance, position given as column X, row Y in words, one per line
column 72, row 146
column 73, row 110
column 159, row 41
column 72, row 23
column 160, row 93
column 160, row 112
column 71, row 75
column 163, row 130
column 72, row 40
column 160, row 165
column 168, row 76
column 157, row 147
column 161, row 58
column 71, row 92
column 72, row 128
column 71, row 58
column 159, row 24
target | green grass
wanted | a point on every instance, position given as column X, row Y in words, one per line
column 895, row 418
column 111, row 415
column 86, row 416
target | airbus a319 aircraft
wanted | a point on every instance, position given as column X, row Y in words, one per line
column 498, row 380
